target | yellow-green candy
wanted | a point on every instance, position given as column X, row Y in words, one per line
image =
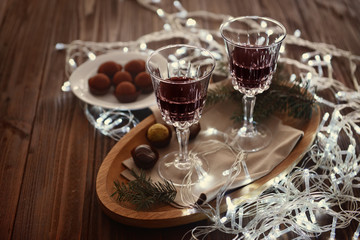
column 158, row 132
column 158, row 135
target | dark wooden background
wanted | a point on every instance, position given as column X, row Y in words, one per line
column 50, row 154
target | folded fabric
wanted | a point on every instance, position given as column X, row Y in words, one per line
column 212, row 143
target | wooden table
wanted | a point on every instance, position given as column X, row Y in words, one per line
column 50, row 154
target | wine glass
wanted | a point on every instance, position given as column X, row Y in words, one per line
column 252, row 44
column 180, row 75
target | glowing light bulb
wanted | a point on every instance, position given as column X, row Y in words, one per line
column 305, row 56
column 308, row 76
column 209, row 37
column 190, row 22
column 143, row 46
column 91, row 56
column 160, row 12
column 263, row 24
column 72, row 63
column 167, row 27
column 223, row 219
column 292, row 77
column 327, row 58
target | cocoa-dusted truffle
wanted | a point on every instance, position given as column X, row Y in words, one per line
column 134, row 67
column 143, row 82
column 121, row 76
column 159, row 135
column 143, row 63
column 99, row 84
column 144, row 156
column 109, row 68
column 126, row 92
column 194, row 130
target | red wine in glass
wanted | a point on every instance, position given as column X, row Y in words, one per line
column 253, row 45
column 180, row 75
column 252, row 69
column 181, row 99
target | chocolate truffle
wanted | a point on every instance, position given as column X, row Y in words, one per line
column 109, row 68
column 142, row 62
column 99, row 84
column 143, row 82
column 159, row 135
column 134, row 67
column 144, row 156
column 126, row 92
column 121, row 76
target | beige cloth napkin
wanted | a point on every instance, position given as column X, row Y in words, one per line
column 215, row 123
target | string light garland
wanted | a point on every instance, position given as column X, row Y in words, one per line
column 309, row 200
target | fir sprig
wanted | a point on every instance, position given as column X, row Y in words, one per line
column 292, row 99
column 143, row 193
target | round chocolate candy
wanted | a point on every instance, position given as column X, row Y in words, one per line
column 159, row 135
column 134, row 67
column 143, row 82
column 144, row 156
column 109, row 68
column 121, row 76
column 126, row 92
column 99, row 84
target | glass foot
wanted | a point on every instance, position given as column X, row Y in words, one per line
column 251, row 141
column 183, row 173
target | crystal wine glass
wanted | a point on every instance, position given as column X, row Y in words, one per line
column 180, row 75
column 252, row 44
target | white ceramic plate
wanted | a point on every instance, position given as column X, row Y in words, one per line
column 79, row 83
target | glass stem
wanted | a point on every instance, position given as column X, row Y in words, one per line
column 183, row 139
column 249, row 104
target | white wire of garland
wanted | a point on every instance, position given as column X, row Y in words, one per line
column 309, row 200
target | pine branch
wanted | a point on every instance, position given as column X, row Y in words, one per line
column 143, row 193
column 219, row 94
column 283, row 97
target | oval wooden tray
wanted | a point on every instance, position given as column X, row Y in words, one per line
column 167, row 216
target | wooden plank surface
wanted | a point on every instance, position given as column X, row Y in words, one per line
column 50, row 154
